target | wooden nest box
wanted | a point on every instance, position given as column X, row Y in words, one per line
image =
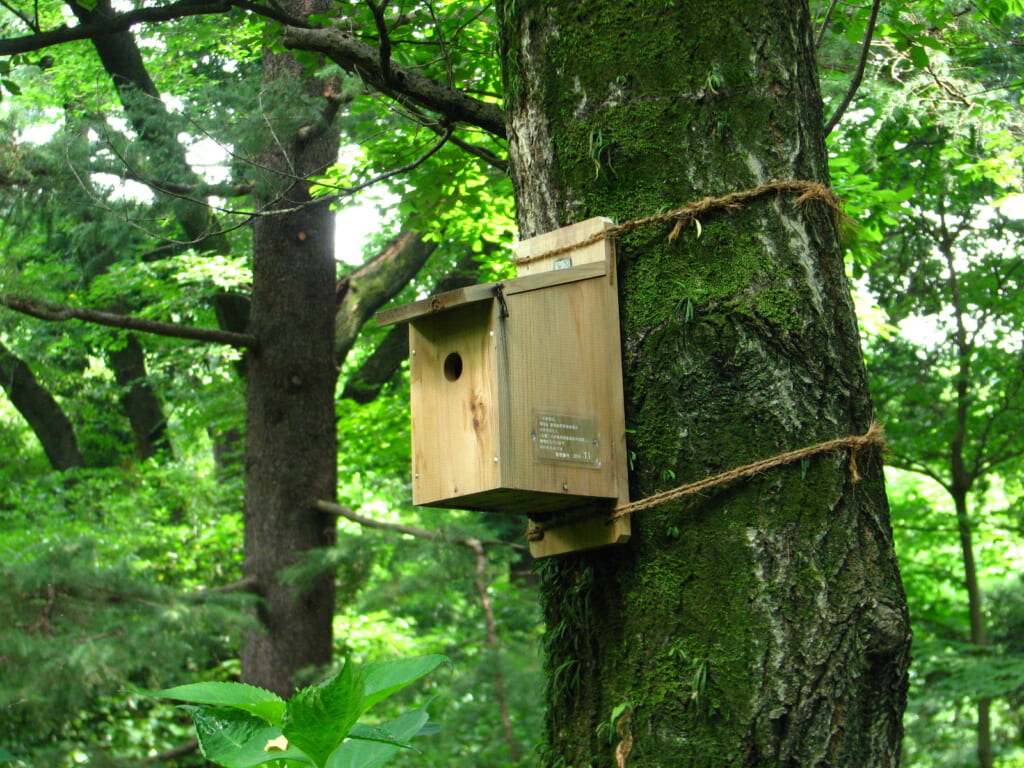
column 516, row 392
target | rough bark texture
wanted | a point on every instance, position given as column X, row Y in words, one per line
column 291, row 446
column 764, row 623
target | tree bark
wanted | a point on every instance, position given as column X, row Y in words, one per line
column 48, row 421
column 763, row 624
column 141, row 406
column 291, row 445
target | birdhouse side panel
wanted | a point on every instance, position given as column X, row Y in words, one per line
column 455, row 403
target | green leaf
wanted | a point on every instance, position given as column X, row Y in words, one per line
column 371, row 754
column 248, row 698
column 374, row 733
column 386, row 677
column 919, row 56
column 236, row 739
column 318, row 718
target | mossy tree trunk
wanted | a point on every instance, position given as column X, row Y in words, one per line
column 763, row 623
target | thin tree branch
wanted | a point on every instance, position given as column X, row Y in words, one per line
column 470, row 542
column 824, row 23
column 900, row 461
column 45, row 310
column 381, row 366
column 193, row 192
column 859, row 74
column 442, row 46
column 25, row 18
column 493, row 644
column 483, row 153
column 445, row 137
column 124, row 21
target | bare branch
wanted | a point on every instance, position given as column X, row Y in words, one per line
column 405, row 85
column 445, row 136
column 46, row 310
column 193, row 192
column 118, row 23
column 25, row 18
column 900, row 461
column 477, row 151
column 469, row 542
column 859, row 74
column 493, row 643
column 824, row 23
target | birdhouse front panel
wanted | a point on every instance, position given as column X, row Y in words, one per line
column 453, row 372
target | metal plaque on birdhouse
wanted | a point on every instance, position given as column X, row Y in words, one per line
column 516, row 391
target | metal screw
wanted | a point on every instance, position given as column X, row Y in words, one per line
column 495, row 459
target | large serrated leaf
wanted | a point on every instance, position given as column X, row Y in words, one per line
column 317, row 719
column 386, row 677
column 236, row 739
column 372, row 754
column 248, row 698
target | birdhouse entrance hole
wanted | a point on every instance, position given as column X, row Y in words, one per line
column 453, row 366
